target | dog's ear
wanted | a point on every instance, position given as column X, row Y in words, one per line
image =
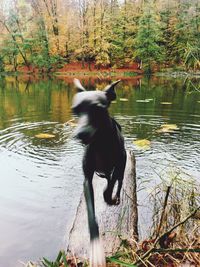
column 110, row 91
column 78, row 85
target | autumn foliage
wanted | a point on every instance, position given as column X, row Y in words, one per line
column 47, row 34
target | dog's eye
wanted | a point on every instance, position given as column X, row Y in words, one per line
column 97, row 106
column 80, row 109
column 76, row 110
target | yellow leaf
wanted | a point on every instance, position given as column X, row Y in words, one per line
column 45, row 136
column 170, row 126
column 71, row 123
column 167, row 128
column 144, row 100
column 123, row 99
column 164, row 130
column 142, row 143
column 166, row 103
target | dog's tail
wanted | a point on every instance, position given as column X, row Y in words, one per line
column 97, row 256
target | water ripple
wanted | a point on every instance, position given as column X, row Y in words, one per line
column 20, row 139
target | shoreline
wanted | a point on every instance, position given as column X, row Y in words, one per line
column 104, row 74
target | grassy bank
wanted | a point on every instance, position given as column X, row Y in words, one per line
column 174, row 236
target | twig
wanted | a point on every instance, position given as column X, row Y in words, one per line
column 166, row 233
column 163, row 211
column 170, row 250
column 194, row 86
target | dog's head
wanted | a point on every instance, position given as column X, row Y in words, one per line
column 91, row 109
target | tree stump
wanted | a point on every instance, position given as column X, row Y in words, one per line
column 115, row 222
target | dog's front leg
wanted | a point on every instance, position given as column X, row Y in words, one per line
column 89, row 198
column 97, row 257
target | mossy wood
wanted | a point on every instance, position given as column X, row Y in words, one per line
column 115, row 222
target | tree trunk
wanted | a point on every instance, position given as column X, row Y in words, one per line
column 115, row 222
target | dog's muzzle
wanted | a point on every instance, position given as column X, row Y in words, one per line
column 85, row 131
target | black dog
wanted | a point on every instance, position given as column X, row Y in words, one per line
column 105, row 153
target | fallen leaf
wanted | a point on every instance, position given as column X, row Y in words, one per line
column 164, row 130
column 123, row 99
column 142, row 143
column 45, row 136
column 144, row 100
column 166, row 103
column 168, row 128
column 72, row 123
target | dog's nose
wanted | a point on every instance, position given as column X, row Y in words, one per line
column 85, row 134
column 82, row 136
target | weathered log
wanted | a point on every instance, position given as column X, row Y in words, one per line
column 115, row 222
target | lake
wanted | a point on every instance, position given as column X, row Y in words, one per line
column 41, row 179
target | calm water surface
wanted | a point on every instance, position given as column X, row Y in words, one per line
column 41, row 180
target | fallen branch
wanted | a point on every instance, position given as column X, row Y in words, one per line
column 175, row 250
column 165, row 234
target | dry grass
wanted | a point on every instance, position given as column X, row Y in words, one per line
column 175, row 234
column 174, row 240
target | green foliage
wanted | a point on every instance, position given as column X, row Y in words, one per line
column 108, row 33
column 1, row 64
column 192, row 57
column 45, row 62
column 86, row 54
column 60, row 260
column 102, row 54
column 148, row 41
column 115, row 260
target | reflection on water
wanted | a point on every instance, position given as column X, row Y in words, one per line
column 41, row 180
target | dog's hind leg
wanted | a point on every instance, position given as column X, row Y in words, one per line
column 109, row 190
column 97, row 257
column 118, row 175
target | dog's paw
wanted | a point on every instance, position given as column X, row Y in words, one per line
column 97, row 256
column 116, row 201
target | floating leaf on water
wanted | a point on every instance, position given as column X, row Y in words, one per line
column 166, row 103
column 123, row 99
column 142, row 143
column 164, row 130
column 45, row 136
column 144, row 100
column 71, row 123
column 168, row 128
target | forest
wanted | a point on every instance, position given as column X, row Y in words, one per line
column 48, row 34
